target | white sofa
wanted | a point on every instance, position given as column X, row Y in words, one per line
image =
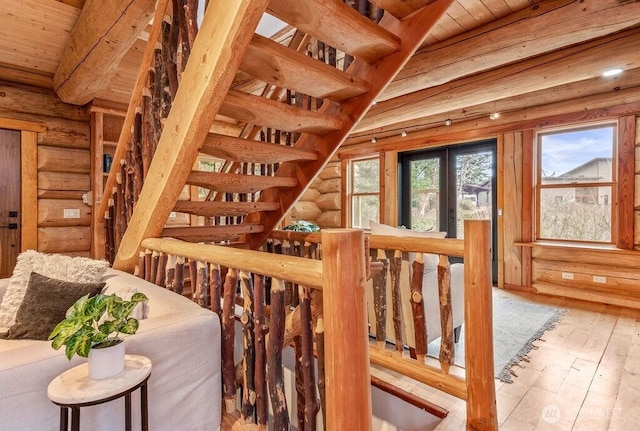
column 181, row 339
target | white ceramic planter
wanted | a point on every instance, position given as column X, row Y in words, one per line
column 106, row 362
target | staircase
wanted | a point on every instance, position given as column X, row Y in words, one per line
column 225, row 56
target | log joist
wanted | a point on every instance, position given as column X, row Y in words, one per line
column 283, row 67
column 577, row 63
column 104, row 33
column 250, row 151
column 338, row 25
column 557, row 24
column 223, row 209
column 210, row 233
column 237, row 183
column 265, row 112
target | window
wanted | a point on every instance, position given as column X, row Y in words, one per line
column 364, row 191
column 576, row 184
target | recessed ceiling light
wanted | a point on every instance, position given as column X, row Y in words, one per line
column 612, row 72
column 447, row 122
column 403, row 134
column 494, row 116
column 374, row 140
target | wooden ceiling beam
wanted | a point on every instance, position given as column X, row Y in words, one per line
column 572, row 64
column 338, row 25
column 250, row 151
column 237, row 183
column 573, row 90
column 540, row 28
column 222, row 40
column 104, row 33
column 261, row 111
column 283, row 67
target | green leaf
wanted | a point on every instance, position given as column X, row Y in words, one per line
column 130, row 326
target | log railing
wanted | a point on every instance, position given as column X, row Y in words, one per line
column 406, row 354
column 215, row 275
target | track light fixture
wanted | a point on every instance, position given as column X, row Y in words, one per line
column 403, row 134
column 374, row 140
column 494, row 116
column 447, row 122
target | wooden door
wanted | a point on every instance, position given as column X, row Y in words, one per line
column 9, row 200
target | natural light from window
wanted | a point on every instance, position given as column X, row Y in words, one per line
column 365, row 192
column 576, row 184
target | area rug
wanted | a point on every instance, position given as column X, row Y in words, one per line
column 517, row 324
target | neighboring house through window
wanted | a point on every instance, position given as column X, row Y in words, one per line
column 576, row 184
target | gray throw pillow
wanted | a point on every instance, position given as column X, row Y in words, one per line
column 45, row 304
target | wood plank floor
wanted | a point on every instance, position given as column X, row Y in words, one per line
column 584, row 375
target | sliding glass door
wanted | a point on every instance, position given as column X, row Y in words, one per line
column 443, row 187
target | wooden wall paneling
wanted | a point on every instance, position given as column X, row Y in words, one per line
column 66, row 133
column 54, row 159
column 51, row 213
column 512, row 211
column 64, row 239
column 626, row 181
column 604, row 256
column 637, row 189
column 389, row 188
column 29, row 174
column 97, row 184
column 40, row 102
column 344, row 192
column 527, row 203
column 23, row 125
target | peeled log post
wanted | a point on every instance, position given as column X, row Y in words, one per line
column 228, row 333
column 380, row 301
column 396, row 300
column 147, row 264
column 417, row 308
column 299, row 382
column 193, row 278
column 201, row 292
column 308, row 372
column 275, row 372
column 215, row 287
column 348, row 393
column 178, row 284
column 248, row 361
column 260, row 329
column 446, row 314
column 161, row 271
column 155, row 260
column 478, row 311
column 321, row 368
column 171, row 272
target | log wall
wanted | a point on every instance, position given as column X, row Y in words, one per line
column 322, row 202
column 538, row 268
column 63, row 163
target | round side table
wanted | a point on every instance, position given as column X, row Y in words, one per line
column 74, row 389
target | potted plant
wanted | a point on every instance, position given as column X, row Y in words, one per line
column 91, row 329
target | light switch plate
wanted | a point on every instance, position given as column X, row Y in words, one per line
column 71, row 213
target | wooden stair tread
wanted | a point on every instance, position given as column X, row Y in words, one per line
column 283, row 67
column 402, row 8
column 211, row 233
column 339, row 25
column 264, row 112
column 250, row 151
column 237, row 183
column 223, row 209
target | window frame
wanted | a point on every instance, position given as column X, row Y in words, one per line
column 348, row 188
column 612, row 184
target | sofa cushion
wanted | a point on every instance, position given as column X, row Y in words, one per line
column 430, row 260
column 45, row 304
column 61, row 267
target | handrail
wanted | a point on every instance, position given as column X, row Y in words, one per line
column 295, row 269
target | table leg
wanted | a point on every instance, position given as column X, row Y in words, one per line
column 64, row 419
column 127, row 411
column 75, row 418
column 144, row 407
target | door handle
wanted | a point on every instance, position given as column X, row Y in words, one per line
column 10, row 226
